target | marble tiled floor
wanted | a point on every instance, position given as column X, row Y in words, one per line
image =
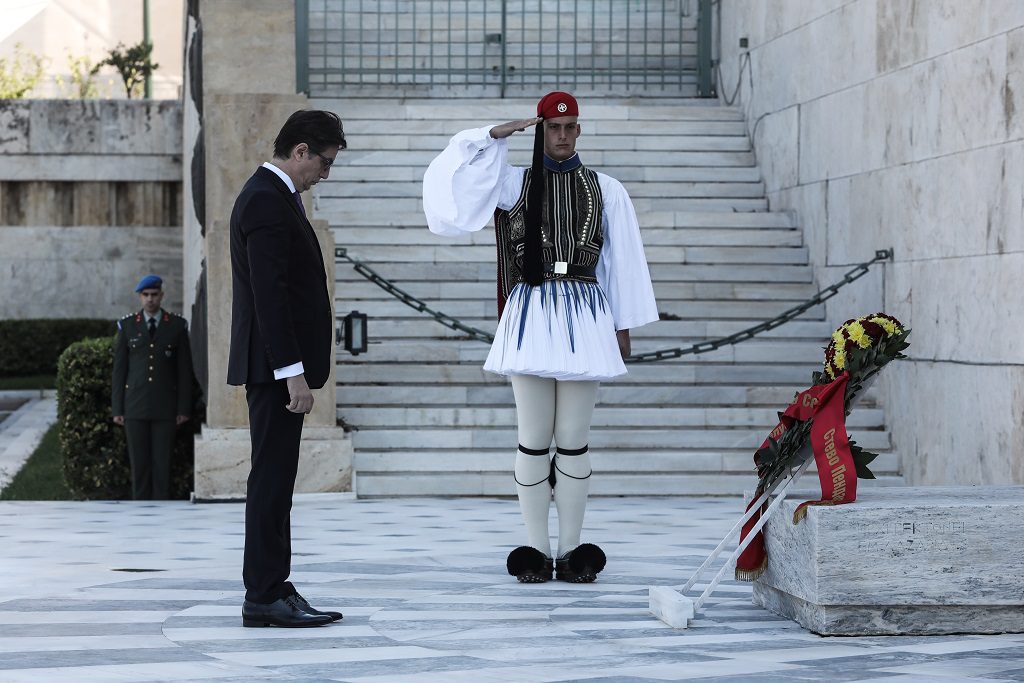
column 106, row 591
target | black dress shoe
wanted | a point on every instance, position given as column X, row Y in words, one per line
column 306, row 607
column 286, row 612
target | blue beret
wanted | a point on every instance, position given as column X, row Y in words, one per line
column 150, row 282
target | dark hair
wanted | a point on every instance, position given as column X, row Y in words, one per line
column 317, row 128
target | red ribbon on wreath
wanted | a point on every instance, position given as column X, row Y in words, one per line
column 826, row 404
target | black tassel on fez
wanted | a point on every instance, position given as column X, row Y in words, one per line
column 533, row 250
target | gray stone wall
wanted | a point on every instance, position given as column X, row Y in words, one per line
column 90, row 200
column 900, row 124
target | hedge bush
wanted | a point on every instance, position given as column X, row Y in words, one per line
column 95, row 456
column 32, row 347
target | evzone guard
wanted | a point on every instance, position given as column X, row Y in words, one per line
column 572, row 282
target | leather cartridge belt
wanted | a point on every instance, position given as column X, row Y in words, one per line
column 569, row 270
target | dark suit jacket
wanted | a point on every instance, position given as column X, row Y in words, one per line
column 152, row 378
column 281, row 310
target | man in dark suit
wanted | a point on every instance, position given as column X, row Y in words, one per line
column 151, row 388
column 282, row 329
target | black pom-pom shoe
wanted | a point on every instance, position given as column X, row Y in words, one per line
column 529, row 565
column 581, row 565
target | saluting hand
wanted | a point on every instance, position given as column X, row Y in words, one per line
column 300, row 395
column 506, row 129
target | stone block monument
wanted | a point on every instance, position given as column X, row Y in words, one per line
column 901, row 560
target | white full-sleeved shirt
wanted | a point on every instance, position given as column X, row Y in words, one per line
column 466, row 182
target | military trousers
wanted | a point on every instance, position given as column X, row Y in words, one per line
column 150, row 445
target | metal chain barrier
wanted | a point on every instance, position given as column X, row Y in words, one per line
column 651, row 356
column 409, row 300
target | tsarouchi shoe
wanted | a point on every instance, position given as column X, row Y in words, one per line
column 581, row 564
column 529, row 565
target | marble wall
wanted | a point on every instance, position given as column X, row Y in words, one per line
column 899, row 124
column 90, row 200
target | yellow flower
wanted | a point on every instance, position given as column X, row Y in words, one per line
column 889, row 326
column 859, row 335
column 840, row 358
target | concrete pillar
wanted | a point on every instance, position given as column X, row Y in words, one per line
column 240, row 88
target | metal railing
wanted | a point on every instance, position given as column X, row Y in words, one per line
column 451, row 322
column 499, row 48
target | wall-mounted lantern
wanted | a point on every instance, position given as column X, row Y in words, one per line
column 354, row 330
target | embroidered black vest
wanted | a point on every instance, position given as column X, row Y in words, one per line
column 572, row 228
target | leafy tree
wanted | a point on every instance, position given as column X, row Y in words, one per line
column 20, row 74
column 133, row 63
column 82, row 84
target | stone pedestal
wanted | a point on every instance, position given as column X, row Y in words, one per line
column 325, row 462
column 922, row 560
column 233, row 114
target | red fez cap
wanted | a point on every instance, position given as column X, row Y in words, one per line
column 556, row 104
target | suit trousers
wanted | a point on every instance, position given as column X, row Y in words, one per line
column 275, row 434
column 150, row 444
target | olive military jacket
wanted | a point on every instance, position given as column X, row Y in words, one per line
column 152, row 378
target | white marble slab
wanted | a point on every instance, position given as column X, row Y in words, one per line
column 901, row 560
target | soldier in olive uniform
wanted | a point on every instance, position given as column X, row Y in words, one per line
column 152, row 388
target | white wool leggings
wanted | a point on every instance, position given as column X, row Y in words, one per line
column 547, row 408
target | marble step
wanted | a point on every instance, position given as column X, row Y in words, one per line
column 752, row 220
column 473, row 351
column 331, row 208
column 499, row 461
column 604, row 416
column 450, row 125
column 405, row 273
column 364, row 290
column 497, row 109
column 600, row 438
column 362, row 152
column 669, row 333
column 620, row 142
column 646, row 373
column 373, row 485
column 450, row 251
column 394, row 309
column 395, row 189
column 619, row 392
column 357, row 172
column 417, row 237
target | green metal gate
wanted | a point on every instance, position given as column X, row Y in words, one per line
column 500, row 48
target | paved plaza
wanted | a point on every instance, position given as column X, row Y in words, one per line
column 124, row 591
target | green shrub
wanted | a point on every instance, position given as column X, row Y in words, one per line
column 96, row 462
column 32, row 347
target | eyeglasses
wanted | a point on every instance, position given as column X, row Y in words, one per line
column 325, row 163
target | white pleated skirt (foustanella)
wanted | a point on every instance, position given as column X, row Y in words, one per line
column 561, row 329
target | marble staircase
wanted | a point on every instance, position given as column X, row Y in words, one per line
column 429, row 421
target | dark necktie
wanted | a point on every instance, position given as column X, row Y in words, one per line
column 298, row 200
column 152, row 327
